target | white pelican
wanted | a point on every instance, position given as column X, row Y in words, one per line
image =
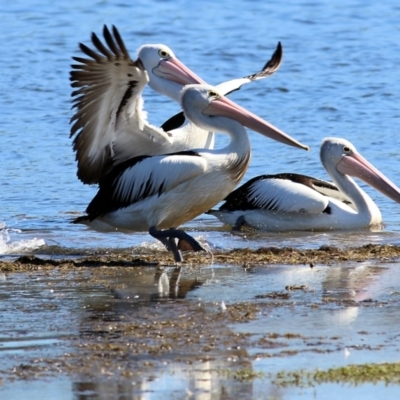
column 109, row 123
column 290, row 202
column 159, row 193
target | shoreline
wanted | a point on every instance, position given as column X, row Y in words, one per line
column 131, row 258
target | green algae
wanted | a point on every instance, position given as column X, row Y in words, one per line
column 387, row 373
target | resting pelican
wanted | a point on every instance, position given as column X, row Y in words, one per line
column 159, row 193
column 290, row 202
column 109, row 123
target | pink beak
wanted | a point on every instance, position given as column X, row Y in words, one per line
column 173, row 70
column 357, row 166
column 227, row 108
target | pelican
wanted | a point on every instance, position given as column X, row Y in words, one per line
column 110, row 126
column 159, row 193
column 290, row 202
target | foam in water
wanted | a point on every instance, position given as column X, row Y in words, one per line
column 7, row 246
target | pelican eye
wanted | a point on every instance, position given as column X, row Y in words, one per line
column 213, row 94
column 163, row 53
column 346, row 149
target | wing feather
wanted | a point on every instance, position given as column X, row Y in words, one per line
column 271, row 66
column 275, row 194
column 331, row 190
column 143, row 177
column 108, row 104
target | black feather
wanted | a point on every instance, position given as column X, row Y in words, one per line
column 126, row 97
column 238, row 199
column 328, row 210
column 106, row 201
column 174, row 122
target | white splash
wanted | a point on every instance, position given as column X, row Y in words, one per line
column 223, row 306
column 156, row 245
column 7, row 246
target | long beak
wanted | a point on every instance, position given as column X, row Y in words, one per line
column 173, row 70
column 227, row 108
column 357, row 166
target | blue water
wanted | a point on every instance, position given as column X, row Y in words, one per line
column 339, row 78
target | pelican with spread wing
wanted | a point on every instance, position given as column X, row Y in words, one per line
column 109, row 125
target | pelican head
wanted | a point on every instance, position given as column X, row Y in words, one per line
column 166, row 72
column 211, row 103
column 343, row 156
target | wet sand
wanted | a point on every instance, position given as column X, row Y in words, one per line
column 270, row 323
column 139, row 257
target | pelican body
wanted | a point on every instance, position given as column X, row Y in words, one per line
column 110, row 126
column 159, row 193
column 290, row 202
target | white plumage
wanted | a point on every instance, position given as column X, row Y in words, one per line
column 110, row 125
column 288, row 202
column 286, row 196
column 159, row 193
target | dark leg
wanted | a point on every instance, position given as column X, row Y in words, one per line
column 172, row 247
column 169, row 243
column 165, row 242
column 168, row 236
column 239, row 223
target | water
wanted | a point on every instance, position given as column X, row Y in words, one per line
column 339, row 78
column 55, row 319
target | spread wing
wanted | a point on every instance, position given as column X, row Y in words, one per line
column 272, row 65
column 143, row 177
column 108, row 104
column 268, row 69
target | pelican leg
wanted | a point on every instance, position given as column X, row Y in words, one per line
column 170, row 245
column 168, row 236
column 168, row 242
column 165, row 242
column 239, row 223
column 173, row 247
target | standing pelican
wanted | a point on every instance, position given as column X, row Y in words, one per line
column 159, row 193
column 290, row 202
column 110, row 124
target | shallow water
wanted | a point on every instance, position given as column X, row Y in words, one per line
column 339, row 315
column 339, row 78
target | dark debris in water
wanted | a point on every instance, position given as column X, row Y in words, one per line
column 274, row 295
column 137, row 341
column 246, row 257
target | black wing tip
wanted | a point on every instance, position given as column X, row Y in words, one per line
column 80, row 220
column 275, row 61
column 106, row 31
column 116, row 46
column 271, row 66
column 115, row 31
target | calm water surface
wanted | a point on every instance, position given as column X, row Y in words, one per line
column 339, row 78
